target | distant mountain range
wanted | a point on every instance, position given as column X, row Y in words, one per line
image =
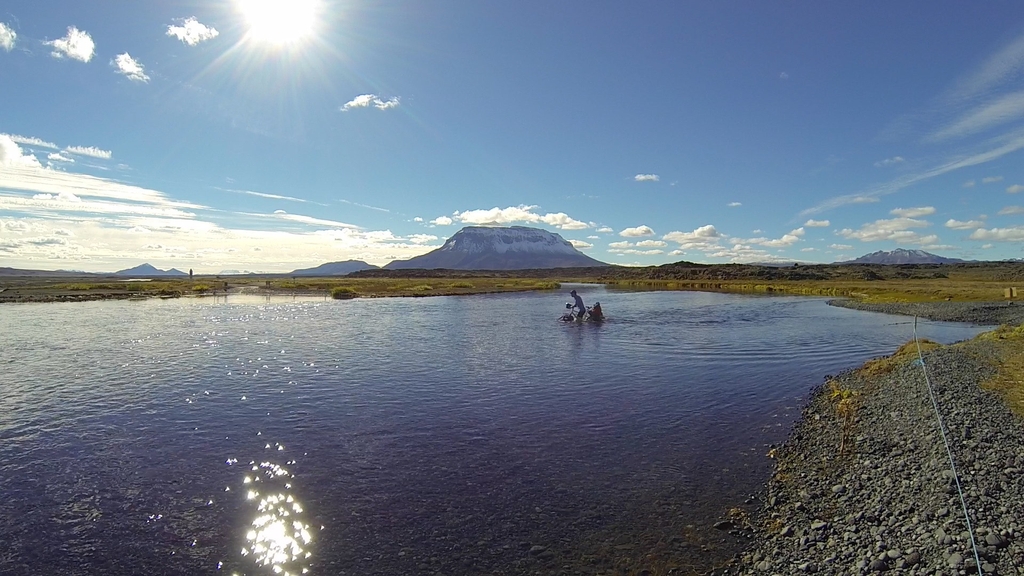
column 334, row 268
column 498, row 248
column 147, row 270
column 901, row 256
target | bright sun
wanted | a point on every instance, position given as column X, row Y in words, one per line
column 279, row 21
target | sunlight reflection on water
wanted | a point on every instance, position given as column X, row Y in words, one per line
column 279, row 538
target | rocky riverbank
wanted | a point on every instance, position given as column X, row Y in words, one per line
column 866, row 486
column 974, row 312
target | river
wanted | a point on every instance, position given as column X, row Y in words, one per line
column 448, row 435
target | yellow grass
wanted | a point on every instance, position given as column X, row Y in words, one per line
column 961, row 288
column 1007, row 345
column 903, row 355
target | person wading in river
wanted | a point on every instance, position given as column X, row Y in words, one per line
column 579, row 304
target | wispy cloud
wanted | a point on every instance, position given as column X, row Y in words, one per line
column 783, row 76
column 734, row 204
column 130, row 68
column 840, row 246
column 1011, row 210
column 368, row 100
column 969, row 184
column 913, row 212
column 267, row 195
column 77, row 45
column 191, row 31
column 1016, row 188
column 637, row 232
column 580, row 244
column 1006, row 109
column 890, row 161
column 91, row 151
column 310, row 220
column 1003, row 146
column 817, row 223
column 646, row 178
column 605, row 230
column 991, row 179
column 367, row 206
column 7, row 37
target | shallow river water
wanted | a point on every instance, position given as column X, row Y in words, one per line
column 451, row 435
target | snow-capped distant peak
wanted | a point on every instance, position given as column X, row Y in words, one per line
column 475, row 239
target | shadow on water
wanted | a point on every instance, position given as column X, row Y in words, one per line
column 471, row 435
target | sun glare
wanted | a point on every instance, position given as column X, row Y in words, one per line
column 279, row 21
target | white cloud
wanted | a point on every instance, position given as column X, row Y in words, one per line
column 417, row 219
column 963, row 225
column 987, row 246
column 580, row 244
column 620, row 245
column 11, row 155
column 991, row 179
column 637, row 232
column 90, row 151
column 808, row 249
column 734, row 204
column 890, row 161
column 58, row 157
column 704, row 238
column 605, row 230
column 442, row 221
column 593, row 237
column 913, row 212
column 513, row 214
column 817, row 223
column 894, row 229
column 1009, row 210
column 1014, row 189
column 840, row 246
column 422, row 238
column 785, row 241
column 130, row 68
column 1014, row 234
column 969, row 184
column 7, row 37
column 192, row 32
column 651, row 244
column 30, row 141
column 77, row 45
column 646, row 178
column 367, row 100
column 783, row 76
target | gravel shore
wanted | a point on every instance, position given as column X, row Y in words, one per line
column 889, row 502
column 973, row 312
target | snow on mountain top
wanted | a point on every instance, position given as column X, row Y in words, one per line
column 511, row 239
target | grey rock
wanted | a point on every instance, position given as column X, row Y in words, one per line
column 878, row 565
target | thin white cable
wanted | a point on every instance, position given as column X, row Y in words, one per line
column 949, row 451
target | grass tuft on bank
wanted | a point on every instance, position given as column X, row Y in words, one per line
column 1007, row 348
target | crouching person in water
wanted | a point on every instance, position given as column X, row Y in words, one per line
column 596, row 313
column 578, row 305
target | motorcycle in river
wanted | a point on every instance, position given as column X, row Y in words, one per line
column 593, row 314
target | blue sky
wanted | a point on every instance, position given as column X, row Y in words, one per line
column 268, row 135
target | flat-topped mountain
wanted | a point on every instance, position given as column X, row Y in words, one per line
column 902, row 256
column 149, row 270
column 497, row 248
column 334, row 268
